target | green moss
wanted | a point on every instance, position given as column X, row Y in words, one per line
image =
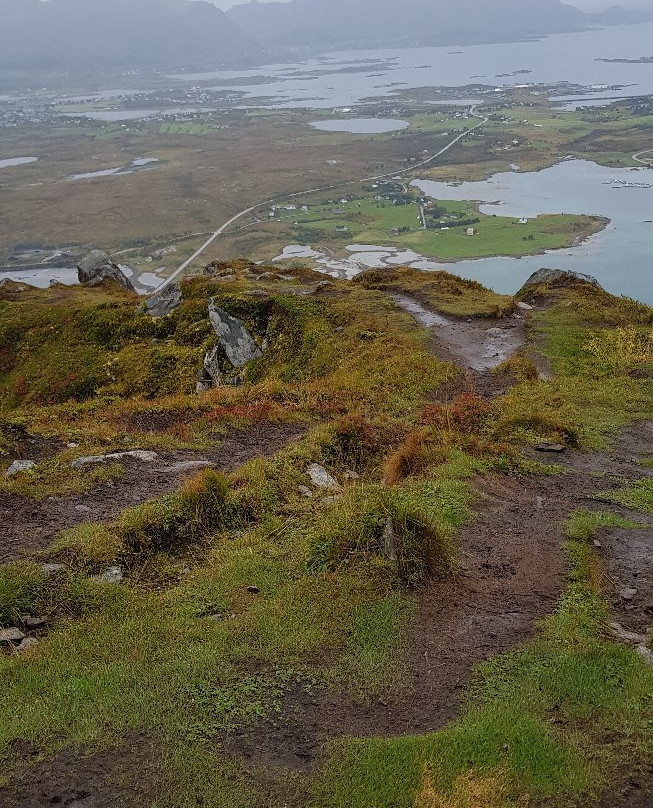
column 638, row 496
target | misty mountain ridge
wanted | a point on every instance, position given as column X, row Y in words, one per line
column 342, row 23
column 92, row 35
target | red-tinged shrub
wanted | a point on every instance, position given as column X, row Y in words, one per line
column 466, row 413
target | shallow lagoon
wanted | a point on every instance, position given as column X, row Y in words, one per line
column 17, row 161
column 619, row 256
column 573, row 186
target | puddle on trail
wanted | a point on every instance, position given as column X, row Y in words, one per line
column 478, row 345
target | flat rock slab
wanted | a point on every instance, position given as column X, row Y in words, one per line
column 164, row 302
column 11, row 636
column 189, row 465
column 144, row 457
column 19, row 466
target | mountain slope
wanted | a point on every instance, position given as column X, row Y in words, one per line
column 93, row 34
column 340, row 22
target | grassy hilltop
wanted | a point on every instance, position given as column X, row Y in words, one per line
column 433, row 630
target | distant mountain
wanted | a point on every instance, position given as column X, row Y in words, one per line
column 425, row 22
column 617, row 15
column 96, row 35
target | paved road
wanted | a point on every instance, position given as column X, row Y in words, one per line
column 271, row 201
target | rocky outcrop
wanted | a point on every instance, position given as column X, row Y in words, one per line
column 557, row 279
column 236, row 348
column 164, row 302
column 237, row 342
column 96, row 268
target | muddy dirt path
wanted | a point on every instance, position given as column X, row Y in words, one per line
column 473, row 344
column 27, row 525
column 510, row 577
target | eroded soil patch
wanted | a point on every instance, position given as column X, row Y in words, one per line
column 27, row 525
column 510, row 577
column 475, row 346
column 112, row 778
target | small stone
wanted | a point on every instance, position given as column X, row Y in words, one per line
column 72, row 445
column 626, row 636
column 645, row 653
column 26, row 644
column 556, row 448
column 351, row 475
column 305, row 491
column 321, row 478
column 524, row 306
column 114, row 575
column 331, row 500
column 253, row 590
column 10, row 636
column 539, row 501
column 597, row 544
column 390, row 544
column 19, row 466
column 51, row 569
column 82, row 509
column 33, row 622
column 627, row 594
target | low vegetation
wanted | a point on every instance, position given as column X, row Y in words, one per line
column 250, row 591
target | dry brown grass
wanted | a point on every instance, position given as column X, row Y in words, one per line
column 470, row 790
column 409, row 459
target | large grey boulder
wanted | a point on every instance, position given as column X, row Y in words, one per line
column 97, row 267
column 559, row 278
column 237, row 343
column 163, row 302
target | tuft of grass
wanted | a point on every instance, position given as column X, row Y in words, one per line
column 441, row 291
column 26, row 590
column 422, row 514
column 583, row 526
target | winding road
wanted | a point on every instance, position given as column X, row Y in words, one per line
column 224, row 227
column 648, row 161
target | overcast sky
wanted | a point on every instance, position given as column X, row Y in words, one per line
column 587, row 5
